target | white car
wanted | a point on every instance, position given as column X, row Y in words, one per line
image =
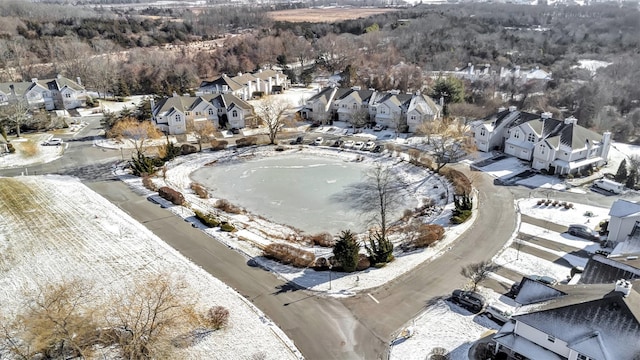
column 53, row 142
column 358, row 145
column 318, row 141
column 348, row 144
column 499, row 312
column 369, row 146
column 377, row 128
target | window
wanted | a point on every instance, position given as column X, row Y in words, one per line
column 516, row 134
column 219, row 111
column 483, row 132
column 541, row 149
column 383, row 110
column 210, row 111
column 413, row 117
column 583, row 357
column 198, row 113
column 67, row 95
column 355, row 106
column 234, row 113
column 178, row 118
column 187, row 113
column 510, row 147
column 531, row 138
column 551, row 338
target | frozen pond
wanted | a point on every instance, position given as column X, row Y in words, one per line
column 296, row 190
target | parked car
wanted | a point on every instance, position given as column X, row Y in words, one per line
column 377, row 149
column 315, row 125
column 609, row 185
column 499, row 312
column 348, row 144
column 318, row 141
column 235, row 131
column 583, row 231
column 359, row 145
column 297, row 140
column 369, row 146
column 377, row 128
column 53, row 142
column 469, row 300
column 337, row 143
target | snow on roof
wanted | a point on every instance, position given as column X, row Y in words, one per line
column 624, row 208
column 602, row 270
column 532, row 291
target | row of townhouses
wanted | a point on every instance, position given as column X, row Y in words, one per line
column 59, row 93
column 594, row 317
column 559, row 147
column 473, row 72
column 244, row 86
column 383, row 108
column 172, row 114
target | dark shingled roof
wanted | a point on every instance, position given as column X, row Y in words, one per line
column 602, row 270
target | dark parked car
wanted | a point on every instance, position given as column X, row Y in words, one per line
column 377, row 149
column 235, row 131
column 583, row 231
column 298, row 140
column 337, row 143
column 469, row 300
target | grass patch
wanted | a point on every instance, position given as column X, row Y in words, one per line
column 29, row 148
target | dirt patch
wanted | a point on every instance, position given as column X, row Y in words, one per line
column 325, row 15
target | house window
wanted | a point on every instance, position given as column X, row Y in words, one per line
column 198, row 113
column 413, row 117
column 583, row 357
column 211, row 112
column 68, row 96
column 178, row 118
column 344, row 106
column 516, row 134
column 219, row 111
column 483, row 132
column 541, row 149
column 187, row 113
column 234, row 113
column 531, row 138
column 355, row 106
column 551, row 338
column 383, row 111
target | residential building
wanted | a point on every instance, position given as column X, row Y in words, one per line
column 625, row 216
column 557, row 146
column 607, row 270
column 172, row 114
column 245, row 85
column 595, row 322
column 59, row 93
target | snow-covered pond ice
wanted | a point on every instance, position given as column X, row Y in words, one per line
column 296, row 190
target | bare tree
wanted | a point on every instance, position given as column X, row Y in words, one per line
column 201, row 130
column 478, row 272
column 359, row 118
column 17, row 113
column 451, row 143
column 137, row 132
column 148, row 314
column 271, row 111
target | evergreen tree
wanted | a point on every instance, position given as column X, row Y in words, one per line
column 631, row 179
column 380, row 249
column 621, row 175
column 347, row 251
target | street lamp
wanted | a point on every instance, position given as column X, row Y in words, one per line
column 330, row 276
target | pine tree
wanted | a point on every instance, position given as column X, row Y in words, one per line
column 621, row 175
column 380, row 249
column 347, row 251
column 631, row 179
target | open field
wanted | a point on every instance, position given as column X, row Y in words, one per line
column 325, row 15
column 54, row 229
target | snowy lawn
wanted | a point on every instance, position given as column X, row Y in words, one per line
column 29, row 151
column 55, row 229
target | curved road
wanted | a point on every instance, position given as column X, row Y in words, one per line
column 322, row 328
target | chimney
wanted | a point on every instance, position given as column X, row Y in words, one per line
column 501, row 109
column 606, row 144
column 623, row 286
column 13, row 89
column 34, row 80
column 512, row 108
column 571, row 120
column 356, row 88
column 175, row 94
column 239, row 74
column 79, row 81
column 546, row 115
column 58, row 76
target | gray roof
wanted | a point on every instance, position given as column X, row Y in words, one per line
column 186, row 103
column 622, row 208
column 603, row 270
column 221, row 81
column 57, row 83
column 532, row 292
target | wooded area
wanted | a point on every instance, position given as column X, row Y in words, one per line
column 163, row 51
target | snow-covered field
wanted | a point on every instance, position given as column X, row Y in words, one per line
column 256, row 232
column 55, row 228
column 29, row 151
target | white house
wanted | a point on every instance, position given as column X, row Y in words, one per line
column 59, row 93
column 348, row 102
column 172, row 114
column 585, row 322
column 245, row 85
column 557, row 146
column 624, row 217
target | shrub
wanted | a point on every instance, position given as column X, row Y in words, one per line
column 169, row 151
column 540, row 202
column 219, row 144
column 11, row 148
column 216, row 318
column 569, row 206
column 199, row 190
column 246, row 141
column 461, row 217
column 461, row 183
column 427, row 235
column 289, row 255
column 321, row 263
column 148, row 183
column 225, row 226
column 186, row 149
column 207, row 219
column 172, row 195
column 321, row 239
column 29, row 148
column 228, row 207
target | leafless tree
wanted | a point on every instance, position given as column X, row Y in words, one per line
column 478, row 272
column 201, row 130
column 134, row 131
column 17, row 113
column 272, row 112
column 451, row 143
column 379, row 195
column 359, row 118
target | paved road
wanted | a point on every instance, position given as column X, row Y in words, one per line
column 322, row 328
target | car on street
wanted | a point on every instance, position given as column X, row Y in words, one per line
column 583, row 231
column 499, row 312
column 348, row 144
column 297, row 140
column 53, row 142
column 318, row 141
column 359, row 145
column 377, row 149
column 377, row 128
column 337, row 143
column 470, row 300
column 369, row 146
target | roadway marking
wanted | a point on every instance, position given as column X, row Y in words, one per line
column 374, row 299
